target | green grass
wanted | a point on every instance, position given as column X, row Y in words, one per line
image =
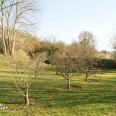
column 49, row 97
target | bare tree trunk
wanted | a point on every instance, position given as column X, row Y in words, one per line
column 9, row 10
column 2, row 19
column 87, row 71
column 12, row 49
column 68, row 85
column 13, row 45
column 36, row 69
column 8, row 38
column 26, row 94
column 86, row 78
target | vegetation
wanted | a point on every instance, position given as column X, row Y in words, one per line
column 49, row 96
column 16, row 15
column 31, row 81
column 31, row 70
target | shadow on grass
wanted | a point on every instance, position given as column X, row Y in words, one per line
column 49, row 93
column 77, row 95
column 9, row 93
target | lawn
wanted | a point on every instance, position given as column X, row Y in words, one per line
column 49, row 97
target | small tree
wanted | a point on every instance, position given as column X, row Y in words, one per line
column 87, row 66
column 23, row 78
column 37, row 54
column 37, row 67
column 64, row 67
column 23, row 88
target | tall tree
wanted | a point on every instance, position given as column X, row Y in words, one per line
column 2, row 23
column 17, row 15
column 86, row 53
column 64, row 66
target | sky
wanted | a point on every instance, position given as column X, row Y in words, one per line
column 66, row 19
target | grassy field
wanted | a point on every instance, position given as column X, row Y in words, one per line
column 49, row 97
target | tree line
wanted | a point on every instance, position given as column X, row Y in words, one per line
column 79, row 56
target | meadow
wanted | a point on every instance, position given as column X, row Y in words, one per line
column 49, row 96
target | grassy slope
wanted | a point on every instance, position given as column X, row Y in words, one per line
column 49, row 96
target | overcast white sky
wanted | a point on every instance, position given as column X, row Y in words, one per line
column 65, row 19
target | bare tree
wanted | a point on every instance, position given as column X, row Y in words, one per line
column 23, row 83
column 2, row 23
column 64, row 65
column 23, row 88
column 86, row 54
column 36, row 53
column 87, row 64
column 37, row 67
column 17, row 15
